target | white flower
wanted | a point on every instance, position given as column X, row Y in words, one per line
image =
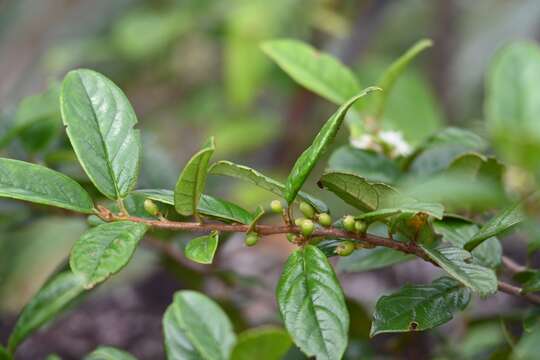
column 366, row 142
column 395, row 141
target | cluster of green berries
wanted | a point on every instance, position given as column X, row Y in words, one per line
column 353, row 225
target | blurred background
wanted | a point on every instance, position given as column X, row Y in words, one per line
column 194, row 68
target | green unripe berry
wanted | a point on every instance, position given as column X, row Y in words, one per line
column 325, row 219
column 360, row 226
column 298, row 221
column 150, row 207
column 348, row 223
column 307, row 210
column 251, row 239
column 345, row 248
column 276, row 207
column 291, row 238
column 307, row 227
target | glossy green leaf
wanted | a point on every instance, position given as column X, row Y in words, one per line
column 307, row 161
column 393, row 72
column 38, row 184
column 227, row 168
column 372, row 259
column 367, row 164
column 109, row 353
column 355, row 190
column 458, row 232
column 419, row 307
column 507, row 219
column 99, row 122
column 202, row 248
column 512, row 103
column 195, row 327
column 265, row 343
column 192, row 181
column 318, row 72
column 57, row 294
column 312, row 305
column 104, row 250
column 458, row 264
column 208, row 205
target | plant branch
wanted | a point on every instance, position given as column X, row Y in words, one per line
column 374, row 240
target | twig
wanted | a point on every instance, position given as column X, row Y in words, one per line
column 408, row 248
column 512, row 266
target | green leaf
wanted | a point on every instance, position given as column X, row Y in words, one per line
column 57, row 294
column 531, row 281
column 38, row 184
column 510, row 217
column 4, row 355
column 108, row 353
column 528, row 346
column 192, row 180
column 355, row 190
column 208, row 205
column 227, row 168
column 318, row 72
column 393, row 72
column 419, row 307
column 202, row 248
column 99, row 122
column 104, row 250
column 307, row 161
column 265, row 343
column 195, row 327
column 458, row 231
column 372, row 259
column 512, row 103
column 457, row 263
column 367, row 164
column 312, row 305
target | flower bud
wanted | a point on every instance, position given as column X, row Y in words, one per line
column 276, row 207
column 360, row 226
column 307, row 227
column 325, row 219
column 345, row 248
column 348, row 223
column 150, row 207
column 307, row 210
column 251, row 239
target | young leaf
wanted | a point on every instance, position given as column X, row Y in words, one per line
column 318, row 72
column 57, row 294
column 99, row 122
column 227, row 168
column 104, row 250
column 355, row 190
column 108, row 352
column 38, row 184
column 419, row 307
column 312, row 305
column 195, row 327
column 208, row 205
column 372, row 259
column 202, row 248
column 510, row 217
column 192, row 180
column 393, row 72
column 306, row 162
column 265, row 343
column 457, row 263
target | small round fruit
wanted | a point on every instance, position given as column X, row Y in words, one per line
column 360, row 226
column 150, row 207
column 276, row 207
column 348, row 223
column 307, row 227
column 307, row 210
column 325, row 219
column 345, row 248
column 291, row 237
column 251, row 239
column 298, row 221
